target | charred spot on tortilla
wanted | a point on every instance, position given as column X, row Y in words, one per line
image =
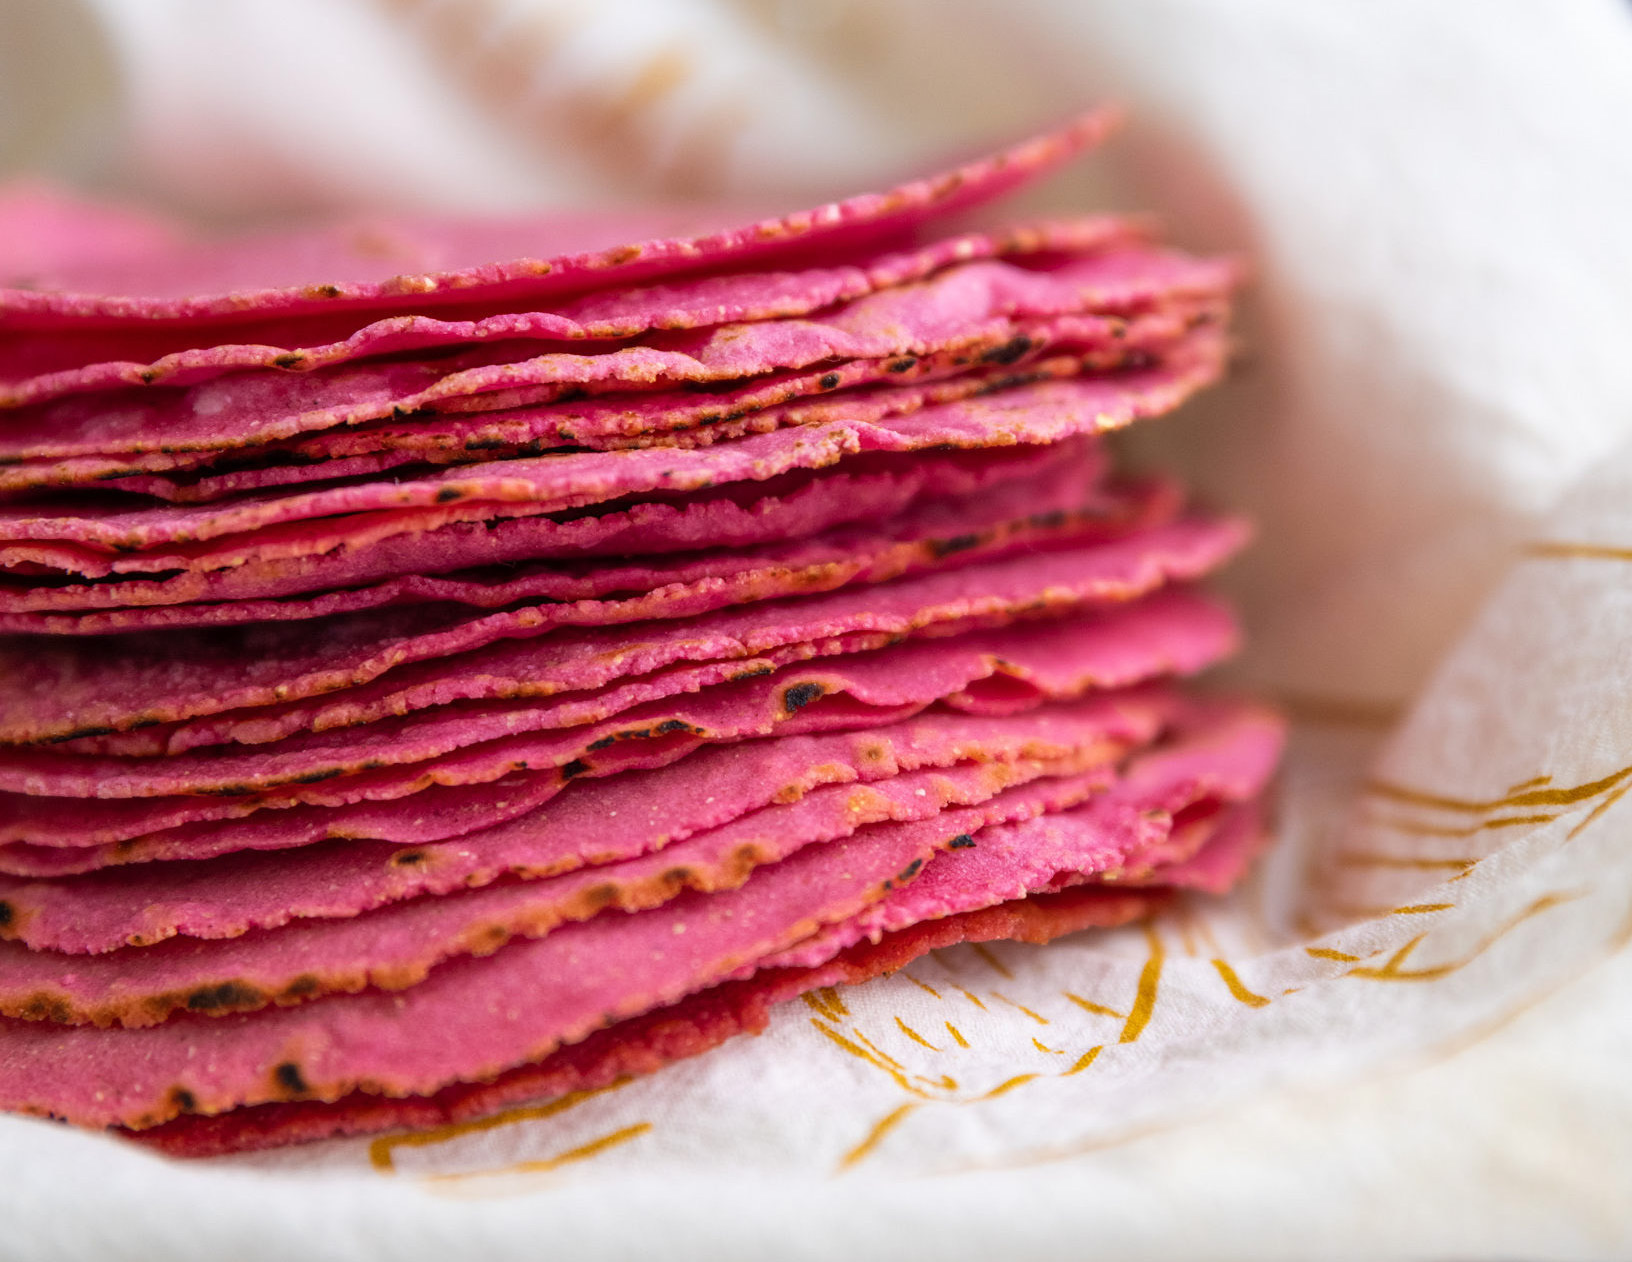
column 796, row 697
column 957, row 543
column 1009, row 352
column 227, row 995
column 50, row 1008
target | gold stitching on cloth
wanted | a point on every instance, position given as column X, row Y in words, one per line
column 1144, row 1002
column 880, row 1128
column 1338, row 711
column 826, row 1002
column 1003, row 1088
column 1236, row 988
column 915, row 1036
column 1020, row 1007
column 1138, row 1017
column 971, row 997
column 1181, row 922
column 1530, row 797
column 1414, row 829
column 1562, row 549
column 876, row 1050
column 862, row 1054
column 919, row 984
column 1597, row 811
column 583, row 1152
column 1326, row 953
column 1393, row 970
column 379, row 1152
column 1098, row 1009
column 1203, row 929
column 985, row 953
column 1357, row 860
column 1620, row 940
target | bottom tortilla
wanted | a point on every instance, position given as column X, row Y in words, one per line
column 703, row 1021
column 643, row 1044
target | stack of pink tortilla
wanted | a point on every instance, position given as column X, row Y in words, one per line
column 429, row 682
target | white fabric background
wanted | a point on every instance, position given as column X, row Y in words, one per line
column 1436, row 199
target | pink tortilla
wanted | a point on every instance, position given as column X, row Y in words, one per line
column 1171, row 632
column 1226, row 753
column 526, row 1000
column 701, row 1022
column 213, row 536
column 644, row 1044
column 63, row 689
column 301, row 274
column 61, row 361
column 1237, row 838
column 1045, row 350
column 796, row 507
column 855, row 691
column 692, row 585
column 595, row 667
column 475, row 1017
column 511, row 423
column 596, row 823
column 979, row 306
column 981, row 502
column 788, row 506
column 396, row 946
column 674, row 418
column 45, row 229
column 477, row 743
column 383, row 759
column 1059, row 346
column 759, row 771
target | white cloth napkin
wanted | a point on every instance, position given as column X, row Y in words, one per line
column 1436, row 199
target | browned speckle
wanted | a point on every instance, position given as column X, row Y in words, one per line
column 797, row 696
column 226, row 996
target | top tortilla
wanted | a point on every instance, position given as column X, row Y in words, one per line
column 311, row 272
